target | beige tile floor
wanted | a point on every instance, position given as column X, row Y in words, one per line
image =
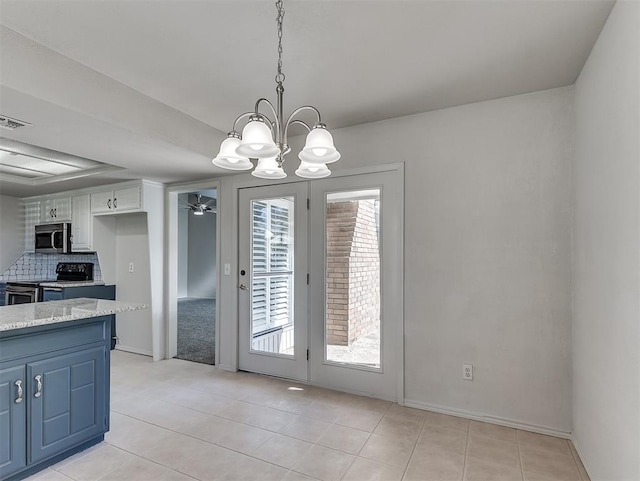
column 176, row 420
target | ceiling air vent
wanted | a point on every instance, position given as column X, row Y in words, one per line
column 12, row 124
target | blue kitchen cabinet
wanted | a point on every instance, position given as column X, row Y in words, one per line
column 12, row 421
column 64, row 408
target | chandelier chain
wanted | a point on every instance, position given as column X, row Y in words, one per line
column 279, row 19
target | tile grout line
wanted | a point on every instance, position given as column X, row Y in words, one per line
column 466, row 452
column 520, row 455
column 415, row 445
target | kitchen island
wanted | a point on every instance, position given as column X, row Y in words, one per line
column 54, row 380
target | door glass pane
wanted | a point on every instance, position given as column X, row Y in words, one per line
column 272, row 321
column 352, row 325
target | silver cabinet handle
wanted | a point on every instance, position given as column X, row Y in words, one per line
column 38, row 379
column 243, row 287
column 18, row 384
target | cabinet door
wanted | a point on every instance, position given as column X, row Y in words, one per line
column 62, row 209
column 81, row 222
column 55, row 210
column 31, row 219
column 13, row 421
column 70, row 408
column 101, row 202
column 127, row 199
column 47, row 208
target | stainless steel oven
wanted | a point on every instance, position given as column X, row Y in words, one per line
column 53, row 238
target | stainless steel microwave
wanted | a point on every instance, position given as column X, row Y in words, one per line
column 53, row 238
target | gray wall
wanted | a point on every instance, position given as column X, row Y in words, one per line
column 132, row 245
column 11, row 230
column 202, row 256
column 606, row 348
column 487, row 253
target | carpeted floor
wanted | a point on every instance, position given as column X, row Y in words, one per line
column 197, row 329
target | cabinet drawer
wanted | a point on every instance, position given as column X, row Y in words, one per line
column 40, row 340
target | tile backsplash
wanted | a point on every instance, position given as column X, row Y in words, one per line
column 32, row 266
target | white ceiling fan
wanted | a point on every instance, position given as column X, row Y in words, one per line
column 199, row 207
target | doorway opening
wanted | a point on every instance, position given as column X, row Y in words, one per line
column 197, row 276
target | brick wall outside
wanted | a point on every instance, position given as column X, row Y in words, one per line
column 353, row 272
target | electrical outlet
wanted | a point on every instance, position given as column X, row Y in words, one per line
column 130, row 266
column 467, row 372
column 227, row 269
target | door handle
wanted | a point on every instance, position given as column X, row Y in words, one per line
column 109, row 204
column 38, row 380
column 115, row 203
column 243, row 287
column 18, row 384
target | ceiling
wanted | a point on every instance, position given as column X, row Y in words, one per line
column 152, row 86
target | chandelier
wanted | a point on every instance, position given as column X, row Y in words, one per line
column 265, row 140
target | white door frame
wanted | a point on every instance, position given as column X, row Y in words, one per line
column 171, row 275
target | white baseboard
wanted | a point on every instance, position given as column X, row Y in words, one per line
column 582, row 458
column 462, row 413
column 133, row 350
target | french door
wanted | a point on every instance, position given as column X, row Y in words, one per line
column 356, row 284
column 321, row 293
column 273, row 280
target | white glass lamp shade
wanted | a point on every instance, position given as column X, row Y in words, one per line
column 319, row 148
column 257, row 141
column 312, row 171
column 227, row 157
column 198, row 212
column 268, row 169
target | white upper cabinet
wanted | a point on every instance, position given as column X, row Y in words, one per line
column 31, row 219
column 55, row 210
column 126, row 199
column 81, row 223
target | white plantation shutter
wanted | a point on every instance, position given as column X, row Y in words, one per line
column 279, row 300
column 260, row 245
column 272, row 264
column 259, row 304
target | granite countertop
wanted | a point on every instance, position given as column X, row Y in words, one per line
column 71, row 283
column 20, row 316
